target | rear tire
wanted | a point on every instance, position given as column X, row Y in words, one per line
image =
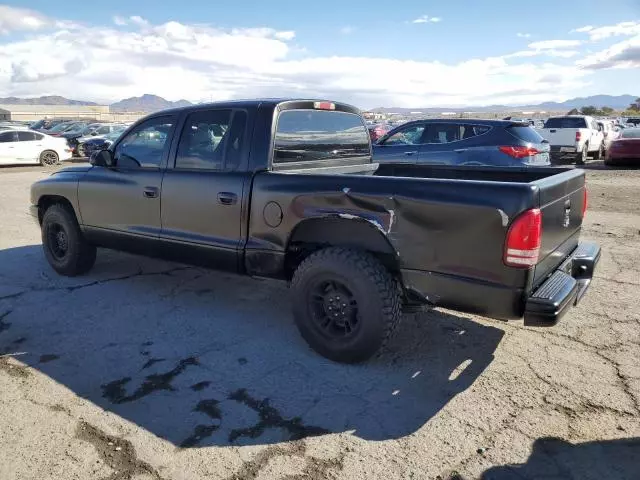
column 581, row 159
column 64, row 246
column 345, row 303
column 600, row 154
column 49, row 158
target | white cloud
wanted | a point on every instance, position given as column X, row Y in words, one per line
column 286, row 35
column 347, row 30
column 14, row 19
column 584, row 29
column 177, row 60
column 554, row 44
column 120, row 21
column 426, row 19
column 523, row 35
column 137, row 20
column 548, row 53
column 622, row 55
column 618, row 30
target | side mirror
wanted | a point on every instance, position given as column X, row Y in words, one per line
column 102, row 158
column 94, row 133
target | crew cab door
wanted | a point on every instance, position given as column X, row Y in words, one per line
column 204, row 190
column 402, row 146
column 120, row 206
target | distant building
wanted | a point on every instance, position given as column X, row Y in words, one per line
column 373, row 116
column 37, row 112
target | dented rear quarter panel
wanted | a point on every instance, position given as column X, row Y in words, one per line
column 451, row 227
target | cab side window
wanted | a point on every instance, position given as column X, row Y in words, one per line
column 212, row 140
column 145, row 145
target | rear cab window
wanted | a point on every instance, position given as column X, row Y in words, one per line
column 309, row 138
column 566, row 122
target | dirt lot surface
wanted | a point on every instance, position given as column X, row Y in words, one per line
column 149, row 370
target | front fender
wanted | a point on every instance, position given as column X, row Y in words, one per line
column 61, row 186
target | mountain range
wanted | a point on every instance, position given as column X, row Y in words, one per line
column 146, row 103
column 151, row 103
column 618, row 102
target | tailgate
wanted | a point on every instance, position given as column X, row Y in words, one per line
column 562, row 200
column 559, row 136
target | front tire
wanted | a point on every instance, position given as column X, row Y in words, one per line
column 49, row 158
column 64, row 246
column 345, row 303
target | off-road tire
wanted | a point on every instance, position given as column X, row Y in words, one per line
column 80, row 255
column 49, row 158
column 374, row 289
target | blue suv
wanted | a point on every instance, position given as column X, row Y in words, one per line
column 501, row 143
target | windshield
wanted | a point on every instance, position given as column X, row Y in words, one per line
column 631, row 133
column 60, row 127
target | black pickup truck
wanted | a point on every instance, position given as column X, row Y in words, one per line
column 287, row 189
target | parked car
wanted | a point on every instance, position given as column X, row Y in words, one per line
column 25, row 146
column 46, row 124
column 625, row 149
column 610, row 132
column 574, row 137
column 12, row 126
column 59, row 128
column 633, row 121
column 378, row 130
column 95, row 144
column 76, row 137
column 290, row 192
column 464, row 142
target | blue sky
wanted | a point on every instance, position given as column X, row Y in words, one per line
column 370, row 53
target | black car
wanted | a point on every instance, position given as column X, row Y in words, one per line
column 503, row 143
column 287, row 189
column 87, row 148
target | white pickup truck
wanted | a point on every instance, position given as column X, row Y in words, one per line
column 574, row 137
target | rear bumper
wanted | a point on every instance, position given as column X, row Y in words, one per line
column 564, row 288
column 561, row 152
column 543, row 307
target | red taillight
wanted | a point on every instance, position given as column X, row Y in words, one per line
column 324, row 105
column 578, row 136
column 519, row 151
column 522, row 248
column 585, row 202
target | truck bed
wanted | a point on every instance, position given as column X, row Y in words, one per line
column 487, row 174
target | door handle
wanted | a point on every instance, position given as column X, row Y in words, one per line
column 409, row 153
column 150, row 192
column 227, row 198
column 460, row 150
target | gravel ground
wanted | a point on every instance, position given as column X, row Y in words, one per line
column 150, row 370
